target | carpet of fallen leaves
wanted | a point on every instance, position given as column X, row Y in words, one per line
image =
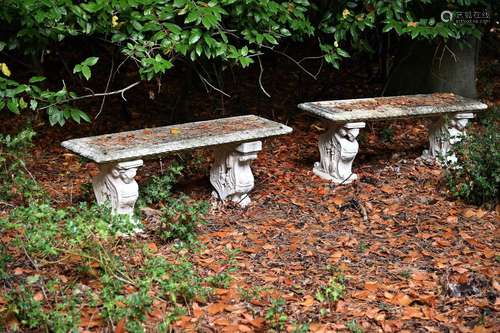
column 414, row 259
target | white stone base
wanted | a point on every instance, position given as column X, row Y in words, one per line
column 116, row 185
column 323, row 175
column 231, row 175
column 443, row 133
column 338, row 147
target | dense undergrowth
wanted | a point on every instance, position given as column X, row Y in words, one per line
column 476, row 178
column 74, row 260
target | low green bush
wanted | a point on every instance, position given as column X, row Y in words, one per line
column 16, row 182
column 159, row 188
column 180, row 218
column 475, row 177
column 180, row 214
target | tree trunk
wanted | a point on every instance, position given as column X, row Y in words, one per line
column 428, row 67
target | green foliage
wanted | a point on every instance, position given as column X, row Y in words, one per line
column 155, row 35
column 48, row 232
column 333, row 291
column 475, row 178
column 387, row 134
column 353, row 327
column 15, row 179
column 16, row 97
column 176, row 281
column 181, row 216
column 84, row 67
column 251, row 293
column 49, row 235
column 300, row 328
column 159, row 188
column 276, row 317
column 63, row 318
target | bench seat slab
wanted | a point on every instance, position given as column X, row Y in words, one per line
column 384, row 108
column 155, row 142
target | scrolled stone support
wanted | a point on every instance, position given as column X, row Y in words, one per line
column 338, row 148
column 116, row 184
column 443, row 133
column 231, row 175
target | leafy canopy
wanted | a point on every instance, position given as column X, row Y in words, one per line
column 155, row 34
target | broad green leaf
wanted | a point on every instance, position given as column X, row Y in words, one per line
column 36, row 79
column 86, row 72
column 195, row 36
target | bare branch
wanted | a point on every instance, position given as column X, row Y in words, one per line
column 107, row 87
column 205, row 81
column 260, row 78
column 121, row 92
column 315, row 77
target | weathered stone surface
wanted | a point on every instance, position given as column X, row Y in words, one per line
column 443, row 133
column 356, row 110
column 231, row 175
column 116, row 184
column 338, row 148
column 149, row 143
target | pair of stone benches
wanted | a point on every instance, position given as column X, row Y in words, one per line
column 236, row 143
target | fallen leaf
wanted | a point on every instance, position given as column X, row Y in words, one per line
column 401, row 299
column 38, row 296
column 215, row 308
column 244, row 328
column 371, row 285
column 387, row 189
column 152, row 247
column 257, row 322
column 308, row 301
column 120, row 327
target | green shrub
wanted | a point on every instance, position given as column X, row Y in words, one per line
column 475, row 178
column 15, row 179
column 45, row 231
column 333, row 291
column 64, row 317
column 159, row 188
column 276, row 316
column 180, row 218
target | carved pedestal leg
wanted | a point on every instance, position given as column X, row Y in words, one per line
column 338, row 148
column 231, row 175
column 116, row 184
column 443, row 133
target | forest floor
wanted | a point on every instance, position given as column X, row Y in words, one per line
column 413, row 259
column 402, row 253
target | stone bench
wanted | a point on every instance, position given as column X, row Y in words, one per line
column 119, row 155
column 338, row 146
